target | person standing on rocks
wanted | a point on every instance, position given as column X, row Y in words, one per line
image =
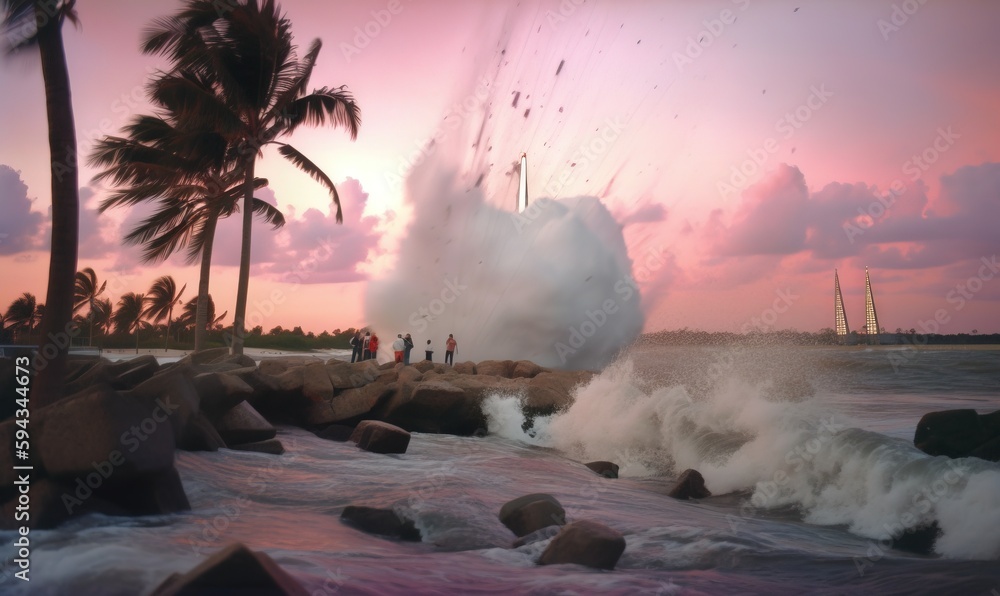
column 407, row 346
column 429, row 352
column 449, row 350
column 356, row 347
column 366, row 351
column 373, row 344
column 398, row 347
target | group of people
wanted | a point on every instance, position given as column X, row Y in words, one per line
column 366, row 348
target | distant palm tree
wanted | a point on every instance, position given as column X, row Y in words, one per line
column 160, row 302
column 86, row 293
column 23, row 315
column 128, row 317
column 39, row 23
column 103, row 314
column 248, row 84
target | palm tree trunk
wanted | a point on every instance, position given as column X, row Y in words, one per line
column 166, row 340
column 201, row 314
column 244, row 280
column 65, row 208
column 136, row 339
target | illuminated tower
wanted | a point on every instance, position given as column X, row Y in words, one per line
column 838, row 307
column 871, row 317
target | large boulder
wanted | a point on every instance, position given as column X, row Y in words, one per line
column 585, row 543
column 208, row 356
column 496, row 368
column 383, row 522
column 243, row 424
column 465, row 368
column 129, row 435
column 551, row 391
column 525, row 368
column 316, row 385
column 380, row 437
column 174, row 392
column 200, row 435
column 604, row 468
column 220, row 392
column 348, row 375
column 690, row 485
column 434, row 406
column 531, row 513
column 131, row 372
column 233, row 570
column 352, row 405
column 956, row 433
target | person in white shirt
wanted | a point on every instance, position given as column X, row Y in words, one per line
column 398, row 346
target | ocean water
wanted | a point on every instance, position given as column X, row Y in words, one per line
column 807, row 451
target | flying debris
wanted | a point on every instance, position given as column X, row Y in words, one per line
column 522, row 186
column 559, row 70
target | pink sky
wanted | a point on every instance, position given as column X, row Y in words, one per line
column 833, row 100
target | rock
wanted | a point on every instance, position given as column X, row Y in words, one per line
column 525, row 369
column 277, row 366
column 174, row 392
column 435, row 406
column 151, row 494
column 205, row 356
column 387, row 366
column 537, row 536
column 234, row 569
column 200, row 435
column 316, row 384
column 918, row 540
column 465, row 368
column 530, row 513
column 52, row 503
column 103, row 426
column 423, row 365
column 219, row 392
column 585, row 543
column 549, row 392
column 954, row 433
column 409, row 374
column 690, row 485
column 272, row 446
column 353, row 404
column 346, row 375
column 604, row 468
column 496, row 368
column 990, row 451
column 336, row 432
column 243, row 424
column 133, row 371
column 380, row 437
column 384, row 522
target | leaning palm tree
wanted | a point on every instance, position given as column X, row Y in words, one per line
column 103, row 314
column 128, row 317
column 86, row 293
column 160, row 302
column 39, row 23
column 191, row 175
column 237, row 71
column 22, row 315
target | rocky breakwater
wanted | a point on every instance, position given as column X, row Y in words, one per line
column 108, row 445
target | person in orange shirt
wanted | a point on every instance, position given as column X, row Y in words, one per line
column 373, row 346
column 449, row 350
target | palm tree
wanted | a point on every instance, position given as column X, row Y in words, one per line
column 23, row 315
column 191, row 175
column 87, row 293
column 237, row 71
column 39, row 23
column 128, row 317
column 103, row 314
column 160, row 302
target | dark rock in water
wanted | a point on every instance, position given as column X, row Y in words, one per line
column 380, row 437
column 550, row 391
column 233, row 570
column 150, row 494
column 53, row 502
column 537, row 536
column 918, row 540
column 435, row 406
column 272, row 446
column 585, row 543
column 690, row 485
column 990, row 451
column 220, row 392
column 955, row 433
column 103, row 426
column 384, row 522
column 336, row 432
column 200, row 435
column 530, row 513
column 604, row 468
column 351, row 405
column 243, row 424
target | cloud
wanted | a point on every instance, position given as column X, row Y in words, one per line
column 20, row 227
column 648, row 213
column 892, row 229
